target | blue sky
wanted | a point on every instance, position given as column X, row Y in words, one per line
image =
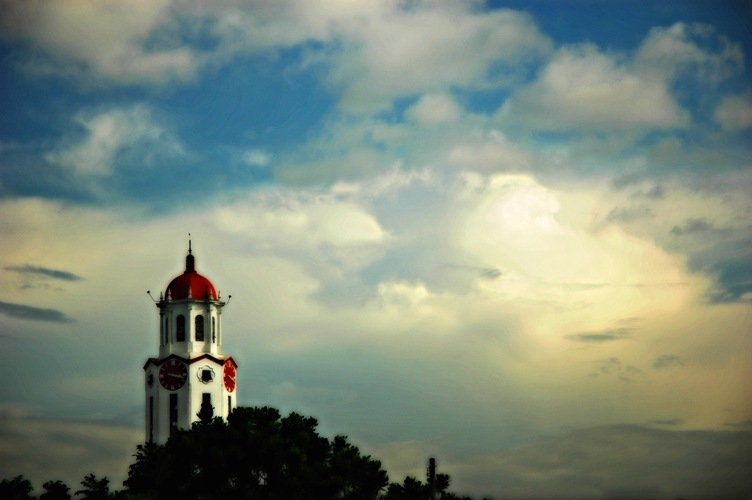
column 509, row 234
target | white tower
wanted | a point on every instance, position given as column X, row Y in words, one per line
column 191, row 377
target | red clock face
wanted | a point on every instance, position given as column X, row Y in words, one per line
column 173, row 374
column 230, row 377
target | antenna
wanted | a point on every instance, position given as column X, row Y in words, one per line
column 189, row 242
column 432, row 478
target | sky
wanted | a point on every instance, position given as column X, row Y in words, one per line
column 513, row 236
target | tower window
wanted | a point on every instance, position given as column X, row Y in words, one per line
column 199, row 328
column 214, row 331
column 180, row 328
column 151, row 419
column 206, row 375
column 173, row 413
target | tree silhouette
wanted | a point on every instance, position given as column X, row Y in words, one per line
column 94, row 489
column 255, row 454
column 17, row 488
column 413, row 489
column 206, row 413
column 55, row 490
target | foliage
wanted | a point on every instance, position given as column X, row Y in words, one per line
column 55, row 490
column 94, row 489
column 17, row 488
column 414, row 489
column 256, row 454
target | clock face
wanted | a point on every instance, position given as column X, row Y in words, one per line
column 230, row 377
column 173, row 374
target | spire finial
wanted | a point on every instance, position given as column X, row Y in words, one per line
column 190, row 266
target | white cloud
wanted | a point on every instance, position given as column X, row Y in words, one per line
column 257, row 158
column 377, row 50
column 696, row 48
column 434, row 109
column 583, row 88
column 104, row 41
column 380, row 50
column 404, row 52
column 735, row 113
column 489, row 153
column 110, row 132
column 302, row 222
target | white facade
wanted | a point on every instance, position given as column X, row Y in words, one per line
column 191, row 370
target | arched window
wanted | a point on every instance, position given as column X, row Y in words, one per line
column 180, row 327
column 199, row 328
column 214, row 331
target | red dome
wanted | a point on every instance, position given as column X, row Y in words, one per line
column 198, row 285
column 191, row 284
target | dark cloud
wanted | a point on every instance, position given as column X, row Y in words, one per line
column 629, row 214
column 693, row 226
column 729, row 263
column 35, row 271
column 41, row 448
column 617, row 462
column 745, row 424
column 614, row 367
column 669, row 421
column 667, row 360
column 657, row 192
column 602, row 336
column 489, row 273
column 21, row 311
column 734, row 278
column 630, row 321
column 627, row 180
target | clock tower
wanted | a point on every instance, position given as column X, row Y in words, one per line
column 191, row 378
